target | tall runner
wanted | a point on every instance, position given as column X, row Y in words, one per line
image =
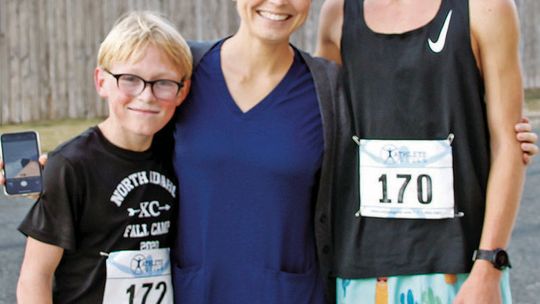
column 431, row 183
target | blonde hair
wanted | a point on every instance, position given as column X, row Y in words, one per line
column 135, row 31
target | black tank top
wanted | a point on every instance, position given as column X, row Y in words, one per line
column 401, row 86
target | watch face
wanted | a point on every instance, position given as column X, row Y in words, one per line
column 501, row 259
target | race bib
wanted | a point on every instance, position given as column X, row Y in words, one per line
column 139, row 277
column 410, row 179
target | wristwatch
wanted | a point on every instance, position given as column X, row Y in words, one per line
column 498, row 257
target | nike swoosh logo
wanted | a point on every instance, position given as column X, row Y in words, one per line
column 438, row 46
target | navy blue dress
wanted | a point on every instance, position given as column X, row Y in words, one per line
column 247, row 183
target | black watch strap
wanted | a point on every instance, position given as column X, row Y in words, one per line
column 498, row 257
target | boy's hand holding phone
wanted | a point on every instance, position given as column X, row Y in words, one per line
column 20, row 161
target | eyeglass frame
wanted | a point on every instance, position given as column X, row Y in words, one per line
column 180, row 84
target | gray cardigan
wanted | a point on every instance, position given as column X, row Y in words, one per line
column 334, row 117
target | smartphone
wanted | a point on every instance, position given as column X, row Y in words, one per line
column 20, row 153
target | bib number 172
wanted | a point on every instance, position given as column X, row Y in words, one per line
column 148, row 288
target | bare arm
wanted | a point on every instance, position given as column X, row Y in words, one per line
column 37, row 270
column 494, row 26
column 498, row 38
column 329, row 32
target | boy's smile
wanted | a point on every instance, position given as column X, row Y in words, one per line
column 143, row 111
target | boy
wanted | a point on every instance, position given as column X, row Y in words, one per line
column 100, row 228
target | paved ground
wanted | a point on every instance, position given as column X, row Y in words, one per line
column 525, row 246
column 11, row 245
column 524, row 249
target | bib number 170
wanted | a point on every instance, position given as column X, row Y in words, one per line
column 409, row 179
column 424, row 186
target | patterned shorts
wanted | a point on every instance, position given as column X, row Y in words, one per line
column 411, row 289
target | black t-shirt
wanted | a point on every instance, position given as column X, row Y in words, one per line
column 98, row 198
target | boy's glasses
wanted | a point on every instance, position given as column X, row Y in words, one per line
column 134, row 85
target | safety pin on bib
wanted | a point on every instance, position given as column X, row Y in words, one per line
column 356, row 139
column 450, row 138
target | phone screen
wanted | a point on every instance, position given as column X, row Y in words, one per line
column 20, row 152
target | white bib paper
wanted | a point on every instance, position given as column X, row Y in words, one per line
column 410, row 179
column 139, row 277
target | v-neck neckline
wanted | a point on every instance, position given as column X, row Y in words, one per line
column 266, row 101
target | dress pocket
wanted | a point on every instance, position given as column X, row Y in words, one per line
column 290, row 287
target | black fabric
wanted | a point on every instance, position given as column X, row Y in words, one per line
column 77, row 210
column 398, row 88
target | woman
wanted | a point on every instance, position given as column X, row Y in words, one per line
column 252, row 174
column 249, row 158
